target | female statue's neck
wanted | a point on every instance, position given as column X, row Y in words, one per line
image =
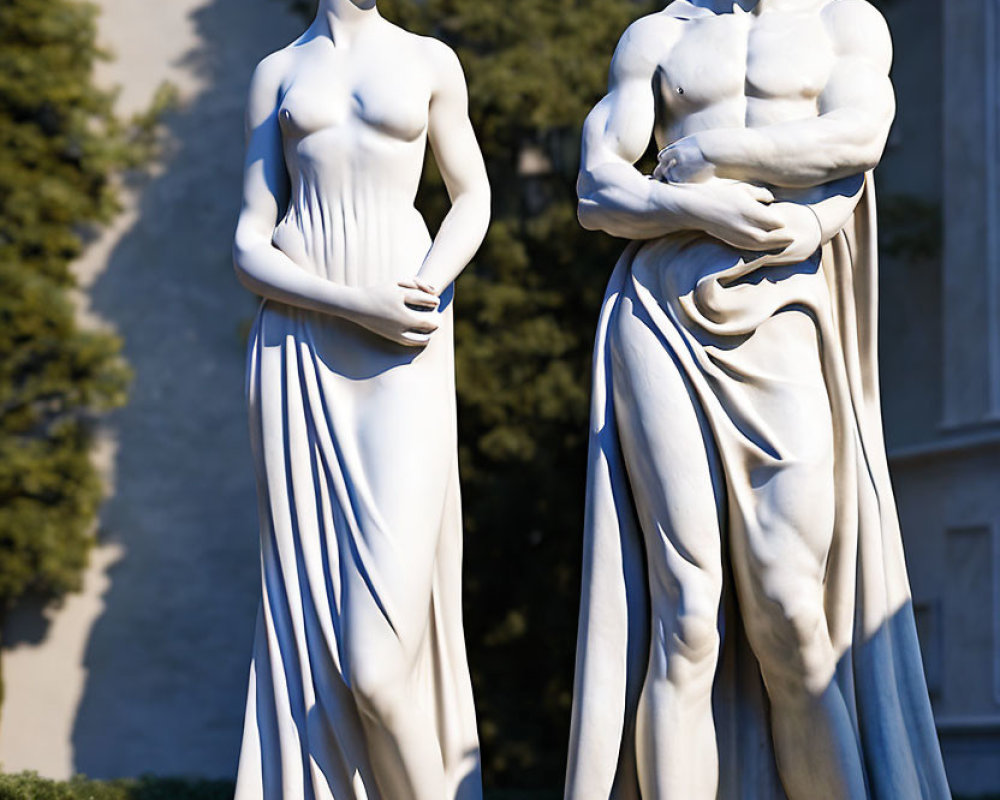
column 341, row 20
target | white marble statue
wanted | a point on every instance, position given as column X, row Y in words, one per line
column 359, row 686
column 746, row 629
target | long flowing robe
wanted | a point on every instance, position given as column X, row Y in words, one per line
column 355, row 446
column 702, row 314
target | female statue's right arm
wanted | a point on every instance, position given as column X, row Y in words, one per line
column 267, row 271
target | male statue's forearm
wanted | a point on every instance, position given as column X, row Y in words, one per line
column 797, row 154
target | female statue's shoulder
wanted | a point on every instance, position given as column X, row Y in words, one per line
column 437, row 51
column 441, row 59
column 430, row 51
column 266, row 84
column 272, row 68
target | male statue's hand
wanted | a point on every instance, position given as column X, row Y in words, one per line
column 739, row 214
column 803, row 227
column 684, row 162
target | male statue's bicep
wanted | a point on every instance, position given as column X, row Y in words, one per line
column 621, row 125
column 859, row 82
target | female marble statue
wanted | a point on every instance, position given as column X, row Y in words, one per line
column 359, row 685
column 746, row 629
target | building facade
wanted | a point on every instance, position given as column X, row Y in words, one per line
column 146, row 671
column 940, row 353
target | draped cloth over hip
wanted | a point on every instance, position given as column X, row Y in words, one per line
column 355, row 447
column 703, row 301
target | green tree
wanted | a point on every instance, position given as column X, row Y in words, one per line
column 59, row 146
column 526, row 313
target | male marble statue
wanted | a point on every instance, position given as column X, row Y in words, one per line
column 359, row 687
column 746, row 628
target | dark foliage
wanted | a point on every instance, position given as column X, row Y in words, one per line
column 526, row 312
column 60, row 146
column 28, row 786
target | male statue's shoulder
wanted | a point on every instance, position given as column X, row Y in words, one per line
column 858, row 28
column 649, row 35
column 860, row 12
column 643, row 47
column 684, row 10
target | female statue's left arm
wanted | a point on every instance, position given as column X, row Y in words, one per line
column 458, row 156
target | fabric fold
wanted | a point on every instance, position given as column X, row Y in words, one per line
column 706, row 305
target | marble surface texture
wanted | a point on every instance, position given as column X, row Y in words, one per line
column 359, row 686
column 746, row 627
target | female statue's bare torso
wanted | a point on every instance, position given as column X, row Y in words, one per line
column 359, row 687
column 354, row 136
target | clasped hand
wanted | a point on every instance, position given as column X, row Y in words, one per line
column 743, row 215
column 401, row 312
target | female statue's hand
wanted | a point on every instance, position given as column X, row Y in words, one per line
column 401, row 313
column 739, row 214
column 419, row 284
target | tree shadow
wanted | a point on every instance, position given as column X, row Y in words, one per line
column 28, row 623
column 167, row 661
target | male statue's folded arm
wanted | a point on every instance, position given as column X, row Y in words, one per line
column 453, row 142
column 833, row 203
column 617, row 199
column 614, row 196
column 856, row 109
column 812, row 217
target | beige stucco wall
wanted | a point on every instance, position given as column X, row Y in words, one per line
column 145, row 670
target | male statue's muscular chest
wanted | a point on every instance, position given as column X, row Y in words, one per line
column 741, row 70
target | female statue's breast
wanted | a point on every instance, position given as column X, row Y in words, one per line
column 377, row 102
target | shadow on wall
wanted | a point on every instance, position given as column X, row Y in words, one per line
column 168, row 660
column 28, row 623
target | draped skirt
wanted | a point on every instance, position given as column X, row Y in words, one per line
column 778, row 368
column 354, row 445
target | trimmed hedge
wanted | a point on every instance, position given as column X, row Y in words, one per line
column 29, row 786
